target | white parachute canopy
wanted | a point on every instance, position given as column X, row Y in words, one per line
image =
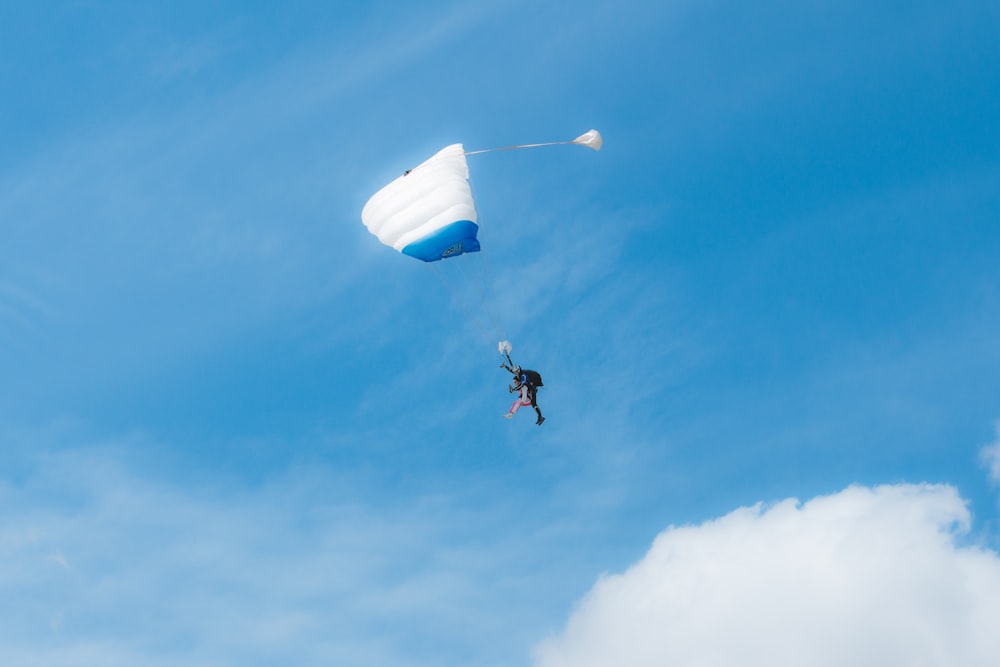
column 590, row 139
column 428, row 212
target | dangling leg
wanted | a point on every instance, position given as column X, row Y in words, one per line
column 522, row 399
column 533, row 393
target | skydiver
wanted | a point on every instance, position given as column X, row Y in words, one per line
column 526, row 386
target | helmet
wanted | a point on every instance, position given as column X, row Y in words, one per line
column 517, row 370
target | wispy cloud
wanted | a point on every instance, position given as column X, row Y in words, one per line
column 185, row 58
column 21, row 311
column 111, row 565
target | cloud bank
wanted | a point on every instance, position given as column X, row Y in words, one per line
column 868, row 576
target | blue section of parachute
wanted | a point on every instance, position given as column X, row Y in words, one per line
column 455, row 239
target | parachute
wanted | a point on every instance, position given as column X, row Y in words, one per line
column 429, row 214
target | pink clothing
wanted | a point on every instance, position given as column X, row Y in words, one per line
column 521, row 400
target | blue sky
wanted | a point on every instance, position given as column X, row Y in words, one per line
column 238, row 430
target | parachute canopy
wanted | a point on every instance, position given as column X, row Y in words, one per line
column 428, row 212
column 590, row 139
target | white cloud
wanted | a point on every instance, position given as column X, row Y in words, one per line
column 990, row 455
column 863, row 577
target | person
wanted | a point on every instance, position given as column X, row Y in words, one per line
column 527, row 392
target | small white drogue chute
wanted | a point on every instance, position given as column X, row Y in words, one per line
column 590, row 139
